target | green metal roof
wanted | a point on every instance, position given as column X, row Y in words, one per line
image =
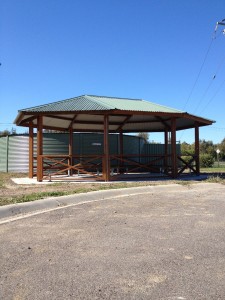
column 86, row 113
column 90, row 103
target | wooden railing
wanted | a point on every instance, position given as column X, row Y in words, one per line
column 92, row 166
column 56, row 165
column 191, row 164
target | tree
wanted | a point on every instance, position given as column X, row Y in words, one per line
column 207, row 147
column 13, row 131
column 187, row 149
column 221, row 147
column 206, row 161
column 5, row 132
column 144, row 135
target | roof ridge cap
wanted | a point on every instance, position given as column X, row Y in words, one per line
column 180, row 111
column 100, row 102
column 111, row 97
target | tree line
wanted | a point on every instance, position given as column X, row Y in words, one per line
column 205, row 147
column 208, row 152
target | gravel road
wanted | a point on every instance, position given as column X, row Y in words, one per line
column 158, row 243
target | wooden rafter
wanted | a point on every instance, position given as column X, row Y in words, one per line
column 124, row 122
column 28, row 120
column 163, row 122
column 72, row 121
column 59, row 118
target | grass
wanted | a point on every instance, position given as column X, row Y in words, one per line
column 215, row 179
column 11, row 193
column 217, row 168
column 213, row 170
column 42, row 195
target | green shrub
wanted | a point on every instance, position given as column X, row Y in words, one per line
column 206, row 161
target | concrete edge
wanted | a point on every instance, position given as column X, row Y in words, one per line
column 18, row 209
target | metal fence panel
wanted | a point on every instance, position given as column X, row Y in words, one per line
column 3, row 154
column 14, row 150
column 18, row 153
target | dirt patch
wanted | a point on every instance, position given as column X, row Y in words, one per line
column 11, row 193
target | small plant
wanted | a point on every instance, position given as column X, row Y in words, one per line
column 206, row 161
column 215, row 179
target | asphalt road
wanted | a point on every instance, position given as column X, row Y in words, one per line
column 163, row 243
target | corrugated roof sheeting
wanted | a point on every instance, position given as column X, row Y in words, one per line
column 86, row 113
column 88, row 127
column 133, row 104
column 89, row 102
column 73, row 104
column 52, row 122
column 142, row 127
column 86, row 117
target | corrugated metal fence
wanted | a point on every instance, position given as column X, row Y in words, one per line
column 14, row 150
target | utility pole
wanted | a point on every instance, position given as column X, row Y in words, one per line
column 222, row 23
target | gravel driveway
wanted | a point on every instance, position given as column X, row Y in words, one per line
column 163, row 243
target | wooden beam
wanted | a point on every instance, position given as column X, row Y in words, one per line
column 166, row 150
column 121, row 149
column 39, row 148
column 95, row 122
column 197, row 148
column 31, row 151
column 173, row 148
column 163, row 122
column 70, row 160
column 106, row 169
column 72, row 121
column 124, row 122
column 59, row 117
column 29, row 120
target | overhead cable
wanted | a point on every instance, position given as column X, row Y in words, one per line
column 217, row 91
column 210, row 83
column 198, row 75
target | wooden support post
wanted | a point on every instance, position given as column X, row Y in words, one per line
column 166, row 150
column 197, row 148
column 173, row 148
column 106, row 165
column 121, row 151
column 31, row 151
column 39, row 148
column 70, row 162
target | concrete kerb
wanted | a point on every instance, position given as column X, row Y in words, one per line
column 19, row 209
column 52, row 203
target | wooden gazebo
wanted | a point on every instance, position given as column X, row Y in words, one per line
column 107, row 115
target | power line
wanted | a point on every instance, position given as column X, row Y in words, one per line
column 199, row 73
column 215, row 35
column 210, row 83
column 217, row 91
column 203, row 96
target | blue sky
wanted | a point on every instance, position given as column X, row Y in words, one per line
column 150, row 49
